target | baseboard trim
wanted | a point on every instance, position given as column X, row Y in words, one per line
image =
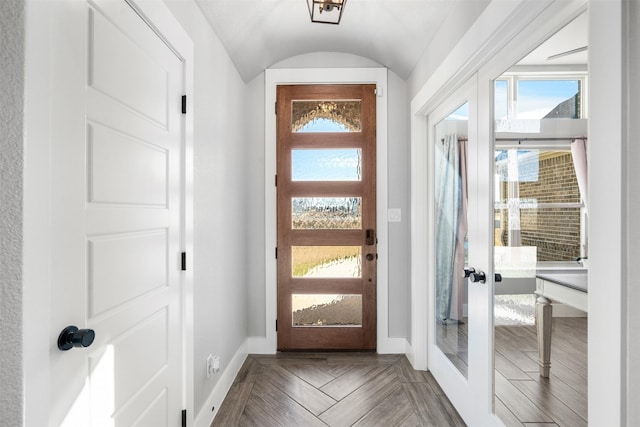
column 392, row 346
column 220, row 390
column 260, row 345
column 418, row 365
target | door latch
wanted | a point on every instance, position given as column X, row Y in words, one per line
column 370, row 237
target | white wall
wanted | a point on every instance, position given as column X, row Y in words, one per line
column 398, row 190
column 631, row 139
column 450, row 32
column 256, row 207
column 399, row 195
column 11, row 192
column 220, row 260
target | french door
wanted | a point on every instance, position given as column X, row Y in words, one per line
column 460, row 338
column 326, row 186
column 495, row 199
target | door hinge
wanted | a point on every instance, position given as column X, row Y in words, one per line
column 276, row 325
column 184, row 104
column 184, row 418
column 183, row 261
column 275, row 108
column 276, row 180
column 276, row 252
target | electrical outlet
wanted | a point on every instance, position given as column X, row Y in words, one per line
column 209, row 365
column 213, row 365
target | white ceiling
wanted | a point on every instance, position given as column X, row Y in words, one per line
column 573, row 36
column 394, row 33
column 260, row 33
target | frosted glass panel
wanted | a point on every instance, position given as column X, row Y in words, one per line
column 326, row 165
column 326, row 213
column 326, row 310
column 326, row 116
column 326, row 261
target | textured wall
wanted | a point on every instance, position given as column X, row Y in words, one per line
column 11, row 143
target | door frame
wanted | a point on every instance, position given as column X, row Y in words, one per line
column 273, row 78
column 37, row 207
column 504, row 33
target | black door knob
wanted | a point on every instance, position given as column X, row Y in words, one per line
column 498, row 277
column 478, row 277
column 467, row 272
column 71, row 337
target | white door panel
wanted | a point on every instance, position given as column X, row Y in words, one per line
column 135, row 220
column 125, row 267
column 116, row 153
column 121, row 68
column 125, row 170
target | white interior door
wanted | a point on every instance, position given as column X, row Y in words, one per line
column 459, row 333
column 115, row 182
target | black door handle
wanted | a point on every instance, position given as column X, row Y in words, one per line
column 478, row 277
column 71, row 337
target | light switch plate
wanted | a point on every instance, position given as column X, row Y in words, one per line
column 394, row 215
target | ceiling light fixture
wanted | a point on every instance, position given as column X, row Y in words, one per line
column 326, row 11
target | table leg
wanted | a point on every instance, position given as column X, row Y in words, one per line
column 543, row 326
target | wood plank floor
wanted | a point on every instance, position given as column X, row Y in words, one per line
column 334, row 389
column 523, row 397
column 365, row 389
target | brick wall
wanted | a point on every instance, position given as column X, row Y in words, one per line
column 555, row 232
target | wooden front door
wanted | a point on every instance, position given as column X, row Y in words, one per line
column 326, row 186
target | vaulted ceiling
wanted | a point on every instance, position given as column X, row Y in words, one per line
column 394, row 33
column 260, row 33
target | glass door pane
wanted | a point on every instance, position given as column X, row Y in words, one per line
column 539, row 236
column 450, row 179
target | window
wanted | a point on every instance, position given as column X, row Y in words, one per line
column 539, row 212
column 538, row 203
column 522, row 101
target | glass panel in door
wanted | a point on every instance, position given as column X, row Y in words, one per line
column 455, row 339
column 540, row 236
column 450, row 222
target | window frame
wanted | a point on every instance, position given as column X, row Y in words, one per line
column 532, row 73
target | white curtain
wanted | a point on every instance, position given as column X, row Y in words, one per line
column 579, row 155
column 450, row 226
